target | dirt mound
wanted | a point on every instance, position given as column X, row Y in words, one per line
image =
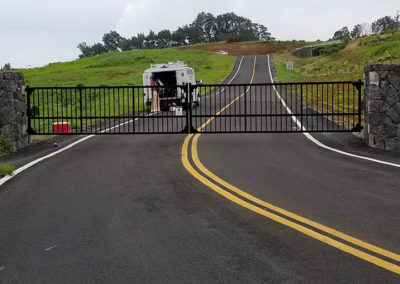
column 246, row 48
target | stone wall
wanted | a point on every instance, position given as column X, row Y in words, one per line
column 13, row 110
column 382, row 106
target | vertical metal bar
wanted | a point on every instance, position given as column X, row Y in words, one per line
column 245, row 109
column 332, row 107
column 301, row 106
column 359, row 102
column 348, row 106
column 80, row 108
column 188, row 108
column 133, row 112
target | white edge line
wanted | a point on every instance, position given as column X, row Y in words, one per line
column 31, row 164
column 315, row 141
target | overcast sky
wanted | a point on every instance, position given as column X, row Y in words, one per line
column 37, row 32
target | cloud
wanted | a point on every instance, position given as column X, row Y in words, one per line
column 42, row 31
column 145, row 15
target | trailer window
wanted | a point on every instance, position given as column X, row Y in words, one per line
column 190, row 72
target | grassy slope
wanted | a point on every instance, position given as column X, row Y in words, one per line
column 246, row 48
column 126, row 68
column 347, row 64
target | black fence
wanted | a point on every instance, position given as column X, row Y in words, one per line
column 244, row 108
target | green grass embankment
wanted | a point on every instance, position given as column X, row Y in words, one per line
column 112, row 69
column 345, row 65
column 126, row 68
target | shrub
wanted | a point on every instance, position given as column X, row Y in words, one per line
column 326, row 50
column 6, row 170
column 4, row 147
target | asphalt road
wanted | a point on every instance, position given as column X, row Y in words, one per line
column 124, row 209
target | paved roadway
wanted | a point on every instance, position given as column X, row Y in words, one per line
column 124, row 209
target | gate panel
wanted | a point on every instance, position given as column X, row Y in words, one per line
column 279, row 107
column 103, row 110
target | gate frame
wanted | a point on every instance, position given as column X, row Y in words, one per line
column 189, row 128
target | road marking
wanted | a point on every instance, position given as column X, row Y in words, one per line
column 27, row 166
column 315, row 141
column 214, row 180
column 69, row 146
column 234, row 100
column 289, row 214
column 233, row 77
column 30, row 164
column 325, row 239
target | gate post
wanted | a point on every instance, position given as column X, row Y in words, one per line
column 382, row 106
column 13, row 110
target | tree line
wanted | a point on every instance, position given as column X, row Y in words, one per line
column 386, row 23
column 205, row 28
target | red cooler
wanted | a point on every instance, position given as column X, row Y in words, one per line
column 61, row 127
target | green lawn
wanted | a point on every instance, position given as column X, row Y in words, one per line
column 345, row 65
column 126, row 68
column 112, row 69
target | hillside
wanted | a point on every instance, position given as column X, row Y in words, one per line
column 126, row 68
column 246, row 48
column 347, row 64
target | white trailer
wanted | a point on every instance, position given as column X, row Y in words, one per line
column 170, row 81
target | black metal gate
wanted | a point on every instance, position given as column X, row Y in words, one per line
column 236, row 108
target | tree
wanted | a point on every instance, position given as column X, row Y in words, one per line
column 6, row 67
column 357, row 31
column 140, row 41
column 126, row 44
column 85, row 50
column 261, row 32
column 341, row 34
column 385, row 23
column 98, row 49
column 151, row 40
column 205, row 27
column 112, row 41
column 178, row 37
column 164, row 39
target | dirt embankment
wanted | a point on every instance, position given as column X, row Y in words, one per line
column 246, row 48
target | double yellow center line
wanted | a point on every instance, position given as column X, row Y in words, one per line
column 368, row 252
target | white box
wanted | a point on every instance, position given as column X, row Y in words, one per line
column 178, row 111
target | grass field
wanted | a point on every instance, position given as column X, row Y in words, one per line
column 247, row 48
column 126, row 68
column 112, row 69
column 345, row 65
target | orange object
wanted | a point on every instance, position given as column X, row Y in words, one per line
column 61, row 127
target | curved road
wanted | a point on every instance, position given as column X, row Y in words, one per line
column 124, row 209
